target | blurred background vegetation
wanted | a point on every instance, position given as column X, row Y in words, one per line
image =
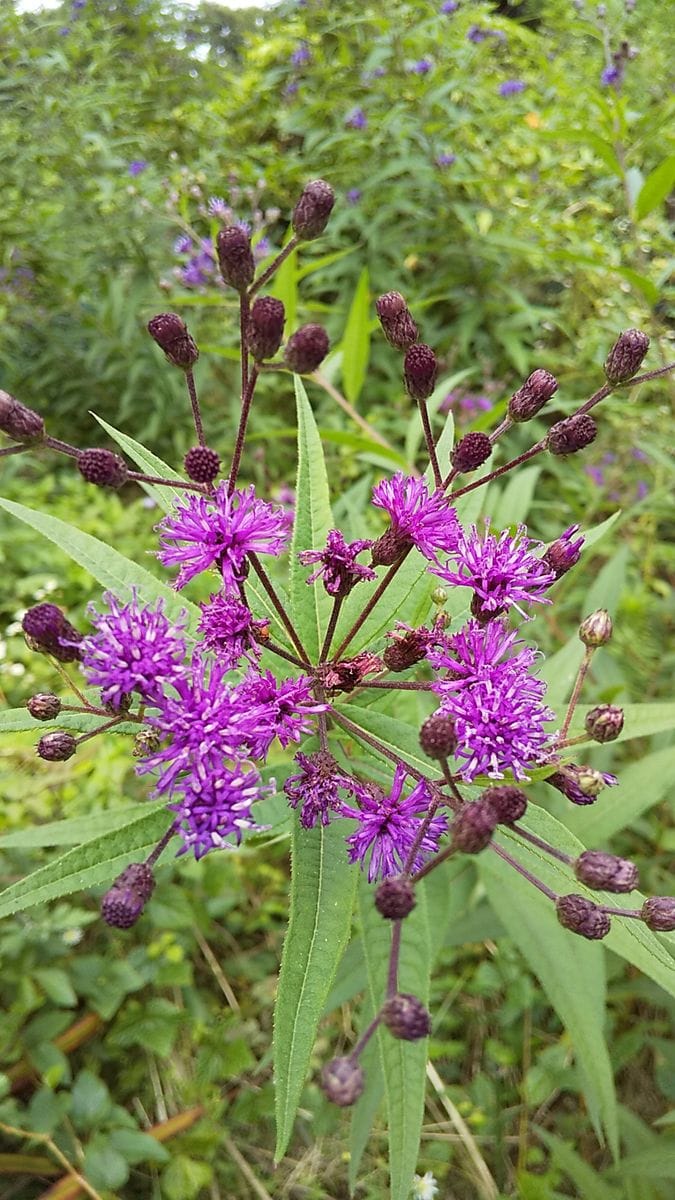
column 509, row 167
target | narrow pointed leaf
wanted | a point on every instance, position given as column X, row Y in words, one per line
column 355, row 344
column 148, row 463
column 310, row 605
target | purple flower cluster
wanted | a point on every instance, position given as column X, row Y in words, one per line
column 427, row 521
column 503, row 571
column 388, row 826
column 135, row 649
column 494, row 699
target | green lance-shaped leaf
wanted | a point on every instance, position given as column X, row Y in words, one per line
column 19, row 720
column 355, row 344
column 76, row 830
column 403, row 1063
column 149, row 464
column 95, row 862
column 107, row 565
column 656, row 187
column 310, row 606
column 322, row 898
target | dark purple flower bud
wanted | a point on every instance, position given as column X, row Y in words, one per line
column 471, row 452
column 406, row 647
column 406, row 1017
column 581, row 785
column 311, row 213
column 532, row 396
column 19, row 422
column 626, row 355
column 438, row 738
column 473, row 826
column 306, row 349
column 102, row 467
column 172, row 336
column 572, row 434
column 564, row 553
column 395, row 898
column 342, row 1081
column 582, row 916
column 396, row 320
column 57, row 746
column 235, row 257
column 596, row 629
column 123, row 904
column 658, row 913
column 420, row 369
column 44, row 706
column 47, row 629
column 202, row 464
column 606, row 872
column 389, row 548
column 604, row 723
column 509, row 803
column 265, row 327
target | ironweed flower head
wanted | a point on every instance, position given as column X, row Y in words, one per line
column 311, row 213
column 388, row 826
column 286, row 708
column 219, row 531
column 47, row 628
column 136, row 648
column 102, row 467
column 581, row 785
column 564, row 553
column 511, row 87
column 316, row 788
column 171, row 334
column 342, row 1081
column 230, row 631
column 338, row 567
column 503, row 571
column 19, row 422
column 418, row 519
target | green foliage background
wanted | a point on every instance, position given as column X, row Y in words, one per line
column 547, row 235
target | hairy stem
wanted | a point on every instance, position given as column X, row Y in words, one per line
column 376, row 744
column 368, row 608
column 576, row 692
column 194, row 401
column 330, row 630
column 274, row 266
column 513, row 862
column 394, row 956
column 430, row 444
column 279, row 608
column 247, row 397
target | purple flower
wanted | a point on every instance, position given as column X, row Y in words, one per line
column 581, row 785
column 261, row 248
column 216, row 806
column 137, row 166
column 470, row 403
column 449, row 7
column 597, row 475
column 182, row 244
column 301, row 55
column 220, row 530
column 503, row 571
column 356, row 119
column 230, row 631
column 353, row 196
column 494, row 700
column 422, row 67
column 445, row 160
column 316, row 788
column 217, row 207
column 388, row 826
column 135, row 649
column 612, row 76
column 417, row 518
column 192, row 275
column 337, row 563
column 511, row 87
column 642, row 490
column 476, row 34
column 285, row 708
column 565, row 552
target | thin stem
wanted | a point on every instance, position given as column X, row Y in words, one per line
column 394, row 956
column 100, row 729
column 514, row 462
column 140, row 477
column 636, row 913
column 365, row 1037
column 405, row 685
column 247, row 396
column 366, row 611
column 501, row 429
column 279, row 608
column 194, row 401
column 433, row 863
column 13, row 450
column 578, row 684
column 449, row 781
column 292, row 658
column 573, row 741
column 421, row 832
column 161, row 845
column 274, row 266
column 45, row 1140
column 523, row 871
column 351, row 412
column 368, row 738
column 73, row 686
column 62, row 447
column 244, row 308
column 542, row 845
column 430, row 444
column 332, row 622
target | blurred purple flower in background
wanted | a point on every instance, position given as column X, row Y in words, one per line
column 301, row 55
column 353, row 196
column 445, row 160
column 511, row 87
column 611, row 76
column 356, row 119
column 217, row 207
column 449, row 7
column 137, row 166
column 422, row 67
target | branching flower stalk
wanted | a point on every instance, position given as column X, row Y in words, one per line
column 208, row 708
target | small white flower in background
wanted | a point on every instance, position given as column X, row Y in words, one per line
column 424, row 1187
